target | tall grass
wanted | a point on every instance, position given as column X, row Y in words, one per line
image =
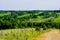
column 19, row 34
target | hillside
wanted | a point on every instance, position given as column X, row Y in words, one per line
column 34, row 18
column 29, row 25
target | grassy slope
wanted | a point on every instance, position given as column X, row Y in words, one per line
column 4, row 14
column 25, row 15
column 22, row 34
column 57, row 20
column 19, row 34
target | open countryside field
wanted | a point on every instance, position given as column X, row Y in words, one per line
column 30, row 25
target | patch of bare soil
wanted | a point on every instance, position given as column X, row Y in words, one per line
column 52, row 35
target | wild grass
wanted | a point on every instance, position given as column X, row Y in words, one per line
column 20, row 34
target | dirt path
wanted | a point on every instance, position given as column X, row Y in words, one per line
column 52, row 35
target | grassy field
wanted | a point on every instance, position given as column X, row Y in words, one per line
column 57, row 20
column 5, row 14
column 25, row 15
column 26, row 25
column 20, row 34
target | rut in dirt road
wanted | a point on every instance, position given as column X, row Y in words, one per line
column 52, row 35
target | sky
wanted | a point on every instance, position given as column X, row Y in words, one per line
column 29, row 5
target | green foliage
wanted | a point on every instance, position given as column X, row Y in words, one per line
column 57, row 20
column 5, row 14
column 25, row 19
column 25, row 15
column 33, row 23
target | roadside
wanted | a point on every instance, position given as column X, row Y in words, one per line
column 52, row 35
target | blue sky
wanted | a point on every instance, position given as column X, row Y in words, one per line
column 29, row 4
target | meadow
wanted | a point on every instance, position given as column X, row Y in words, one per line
column 20, row 34
column 26, row 25
column 5, row 14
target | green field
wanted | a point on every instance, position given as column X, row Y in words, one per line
column 5, row 14
column 26, row 25
column 57, row 20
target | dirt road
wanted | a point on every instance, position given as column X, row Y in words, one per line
column 52, row 35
